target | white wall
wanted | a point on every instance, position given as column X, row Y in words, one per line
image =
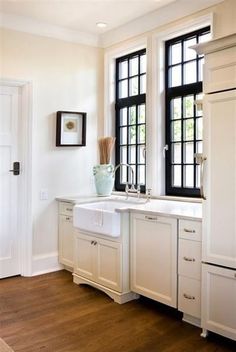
column 64, row 76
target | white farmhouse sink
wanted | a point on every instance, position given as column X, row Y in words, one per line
column 99, row 217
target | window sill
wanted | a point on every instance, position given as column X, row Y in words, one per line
column 171, row 198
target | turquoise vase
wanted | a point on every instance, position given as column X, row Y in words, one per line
column 104, row 179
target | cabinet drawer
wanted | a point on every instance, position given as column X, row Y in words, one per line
column 189, row 297
column 66, row 208
column 190, row 230
column 189, row 260
column 220, row 71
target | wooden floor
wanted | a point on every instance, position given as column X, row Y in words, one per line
column 51, row 314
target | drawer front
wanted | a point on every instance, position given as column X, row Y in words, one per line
column 220, row 71
column 189, row 260
column 66, row 208
column 190, row 230
column 189, row 296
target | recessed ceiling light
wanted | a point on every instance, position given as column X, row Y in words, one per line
column 101, row 24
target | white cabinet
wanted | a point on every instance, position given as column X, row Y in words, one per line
column 189, row 270
column 66, row 234
column 98, row 260
column 154, row 257
column 219, row 300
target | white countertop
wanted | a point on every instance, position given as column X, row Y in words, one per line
column 177, row 209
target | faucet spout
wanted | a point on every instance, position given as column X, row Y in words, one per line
column 129, row 167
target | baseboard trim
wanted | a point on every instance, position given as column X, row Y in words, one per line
column 45, row 263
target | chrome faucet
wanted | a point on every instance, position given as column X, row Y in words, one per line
column 132, row 188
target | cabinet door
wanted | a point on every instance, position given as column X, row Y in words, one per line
column 219, row 209
column 84, row 257
column 219, row 309
column 66, row 240
column 154, row 257
column 109, row 264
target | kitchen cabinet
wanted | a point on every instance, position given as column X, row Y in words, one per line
column 189, row 270
column 66, row 235
column 219, row 186
column 154, row 257
column 98, row 260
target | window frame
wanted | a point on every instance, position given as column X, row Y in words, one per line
column 128, row 102
column 180, row 92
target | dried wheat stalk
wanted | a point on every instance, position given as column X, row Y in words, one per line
column 106, row 145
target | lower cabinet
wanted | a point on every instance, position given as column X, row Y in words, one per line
column 219, row 300
column 66, row 231
column 98, row 260
column 154, row 257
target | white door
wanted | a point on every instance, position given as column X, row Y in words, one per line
column 219, row 209
column 9, row 236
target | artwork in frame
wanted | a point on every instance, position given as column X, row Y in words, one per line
column 71, row 129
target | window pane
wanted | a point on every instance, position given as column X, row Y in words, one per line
column 142, row 84
column 176, row 108
column 141, row 134
column 130, row 174
column 123, row 155
column 199, row 128
column 188, row 106
column 141, row 113
column 132, row 115
column 132, row 134
column 123, row 135
column 200, row 69
column 123, row 174
column 133, row 86
column 123, row 89
column 175, row 76
column 176, row 172
column 175, row 54
column 176, row 147
column 190, row 73
column 133, row 66
column 143, row 63
column 141, row 174
column 204, row 37
column 189, row 54
column 141, row 154
column 198, row 182
column 132, row 155
column 188, row 176
column 199, row 106
column 176, row 131
column 199, row 147
column 189, row 130
column 123, row 69
column 189, row 153
column 123, row 116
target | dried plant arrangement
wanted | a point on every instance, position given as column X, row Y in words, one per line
column 106, row 145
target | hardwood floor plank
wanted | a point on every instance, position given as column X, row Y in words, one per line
column 51, row 314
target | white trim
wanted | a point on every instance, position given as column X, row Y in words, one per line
column 45, row 263
column 25, row 186
column 29, row 25
column 158, row 95
column 162, row 16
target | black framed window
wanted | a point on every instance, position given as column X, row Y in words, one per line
column 131, row 119
column 183, row 119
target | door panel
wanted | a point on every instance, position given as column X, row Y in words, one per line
column 9, row 248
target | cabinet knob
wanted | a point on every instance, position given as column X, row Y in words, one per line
column 95, row 243
column 92, row 242
column 67, row 218
column 68, row 209
column 187, row 259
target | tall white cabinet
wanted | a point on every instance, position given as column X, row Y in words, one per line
column 219, row 208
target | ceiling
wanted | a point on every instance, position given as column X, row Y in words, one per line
column 82, row 15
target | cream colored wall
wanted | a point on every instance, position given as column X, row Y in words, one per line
column 64, row 76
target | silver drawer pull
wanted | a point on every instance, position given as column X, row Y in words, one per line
column 92, row 242
column 188, row 296
column 147, row 217
column 187, row 259
column 68, row 209
column 68, row 218
column 95, row 243
column 189, row 231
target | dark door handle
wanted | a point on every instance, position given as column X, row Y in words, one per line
column 16, row 168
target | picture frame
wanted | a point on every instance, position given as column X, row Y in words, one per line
column 71, row 129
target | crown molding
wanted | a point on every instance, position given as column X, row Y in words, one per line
column 155, row 19
column 28, row 25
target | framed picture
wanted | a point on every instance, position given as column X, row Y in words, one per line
column 71, row 129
